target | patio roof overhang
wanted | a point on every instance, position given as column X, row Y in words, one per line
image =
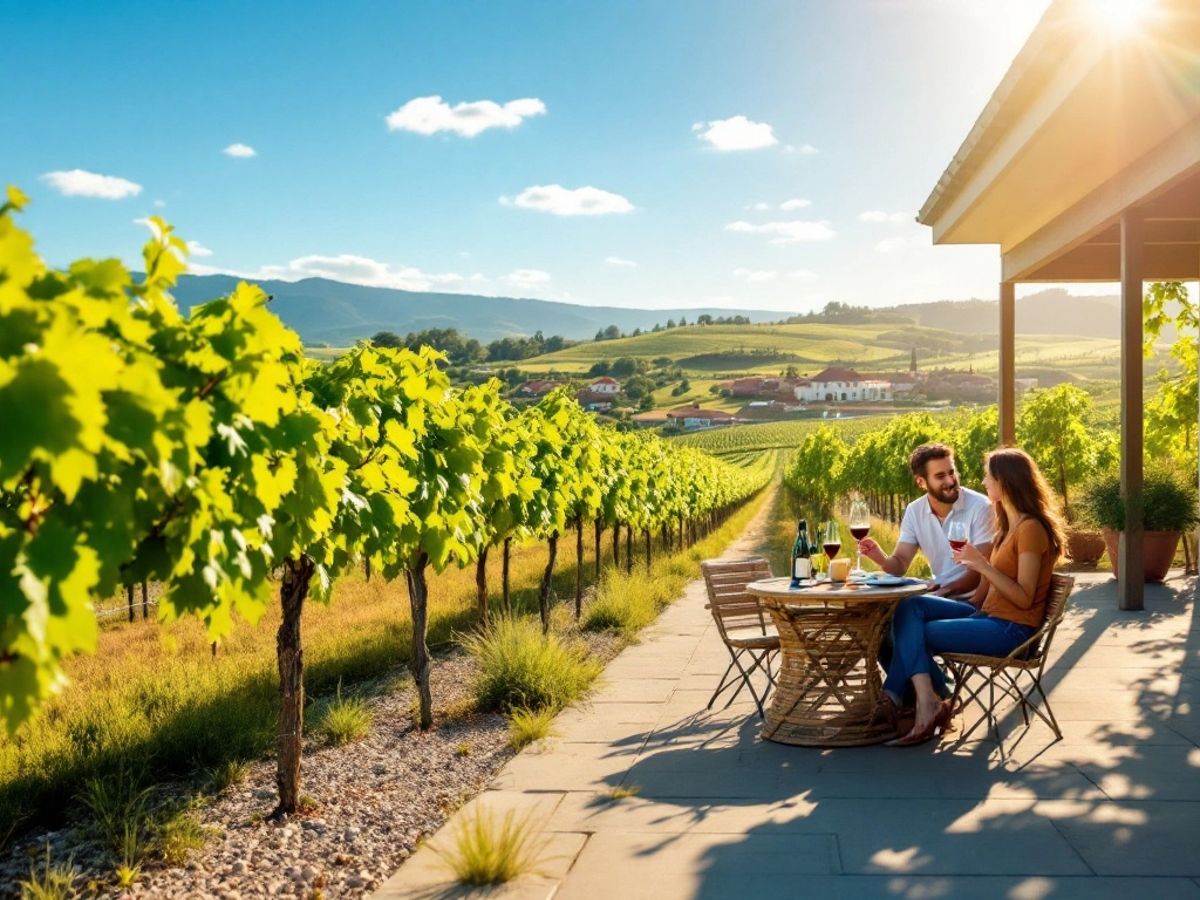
column 1085, row 166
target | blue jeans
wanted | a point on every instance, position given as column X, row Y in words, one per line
column 923, row 626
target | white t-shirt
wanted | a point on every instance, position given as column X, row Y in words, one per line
column 922, row 527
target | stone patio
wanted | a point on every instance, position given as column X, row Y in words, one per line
column 1113, row 810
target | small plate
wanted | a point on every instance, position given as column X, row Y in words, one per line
column 884, row 580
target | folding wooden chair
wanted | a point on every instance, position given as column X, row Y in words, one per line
column 742, row 623
column 1002, row 674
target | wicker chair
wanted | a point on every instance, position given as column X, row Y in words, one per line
column 744, row 626
column 996, row 673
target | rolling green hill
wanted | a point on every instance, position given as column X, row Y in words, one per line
column 715, row 350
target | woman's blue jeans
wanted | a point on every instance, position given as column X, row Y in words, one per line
column 923, row 626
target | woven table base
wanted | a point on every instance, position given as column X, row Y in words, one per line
column 828, row 682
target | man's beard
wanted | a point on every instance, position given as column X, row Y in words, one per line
column 945, row 495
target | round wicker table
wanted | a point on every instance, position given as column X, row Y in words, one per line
column 828, row 683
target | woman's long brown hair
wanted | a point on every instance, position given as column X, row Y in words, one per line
column 1022, row 484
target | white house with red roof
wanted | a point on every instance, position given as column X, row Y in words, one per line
column 837, row 384
column 605, row 385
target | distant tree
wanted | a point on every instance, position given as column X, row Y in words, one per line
column 661, row 362
column 791, row 372
column 387, row 339
column 600, row 367
column 670, row 323
column 705, row 319
column 646, row 403
column 638, row 386
column 682, row 321
column 636, row 332
column 657, row 328
column 628, row 365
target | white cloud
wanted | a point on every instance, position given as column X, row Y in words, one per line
column 902, row 242
column 876, row 215
column 795, row 203
column 80, row 183
column 755, row 275
column 240, row 151
column 196, row 249
column 526, row 277
column 803, row 149
column 759, row 207
column 561, row 201
column 786, row 232
column 801, row 275
column 620, row 263
column 159, row 204
column 736, row 133
column 429, row 115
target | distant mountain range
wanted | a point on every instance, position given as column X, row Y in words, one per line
column 338, row 314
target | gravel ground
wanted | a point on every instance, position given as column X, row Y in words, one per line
column 375, row 799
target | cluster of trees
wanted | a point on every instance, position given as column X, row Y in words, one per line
column 461, row 350
column 205, row 452
column 847, row 313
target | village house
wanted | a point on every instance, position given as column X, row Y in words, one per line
column 605, row 385
column 841, row 385
column 537, row 388
column 694, row 416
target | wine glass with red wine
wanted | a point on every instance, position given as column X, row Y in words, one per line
column 957, row 534
column 831, row 542
column 860, row 527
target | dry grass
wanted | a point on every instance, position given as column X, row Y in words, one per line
column 526, row 726
column 489, row 852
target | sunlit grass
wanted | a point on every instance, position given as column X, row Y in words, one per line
column 345, row 719
column 519, row 667
column 526, row 726
column 485, row 851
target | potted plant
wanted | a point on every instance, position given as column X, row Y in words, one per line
column 1170, row 508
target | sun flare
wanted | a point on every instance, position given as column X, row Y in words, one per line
column 1119, row 17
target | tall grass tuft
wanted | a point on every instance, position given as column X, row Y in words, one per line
column 522, row 668
column 485, row 852
column 118, row 807
column 177, row 835
column 345, row 719
column 528, row 725
column 55, row 881
column 625, row 603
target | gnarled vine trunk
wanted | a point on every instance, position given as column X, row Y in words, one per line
column 504, row 595
column 578, row 567
column 481, row 593
column 628, row 549
column 599, row 534
column 547, row 577
column 418, row 598
column 289, row 657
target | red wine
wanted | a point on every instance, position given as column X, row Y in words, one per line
column 831, row 550
column 958, row 545
column 860, row 531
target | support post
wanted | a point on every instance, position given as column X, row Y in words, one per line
column 1008, row 366
column 1131, row 580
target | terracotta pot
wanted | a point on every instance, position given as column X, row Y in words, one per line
column 1085, row 547
column 1158, row 550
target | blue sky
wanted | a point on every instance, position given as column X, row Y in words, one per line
column 692, row 122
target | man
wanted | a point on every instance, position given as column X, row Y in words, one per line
column 925, row 527
column 926, row 523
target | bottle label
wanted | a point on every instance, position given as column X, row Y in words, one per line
column 801, row 567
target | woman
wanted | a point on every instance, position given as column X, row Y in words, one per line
column 1008, row 605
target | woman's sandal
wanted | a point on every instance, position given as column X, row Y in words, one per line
column 935, row 728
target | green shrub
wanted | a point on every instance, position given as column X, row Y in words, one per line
column 527, row 725
column 1169, row 495
column 522, row 668
column 345, row 719
column 487, row 853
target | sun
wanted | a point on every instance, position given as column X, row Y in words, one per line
column 1119, row 17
